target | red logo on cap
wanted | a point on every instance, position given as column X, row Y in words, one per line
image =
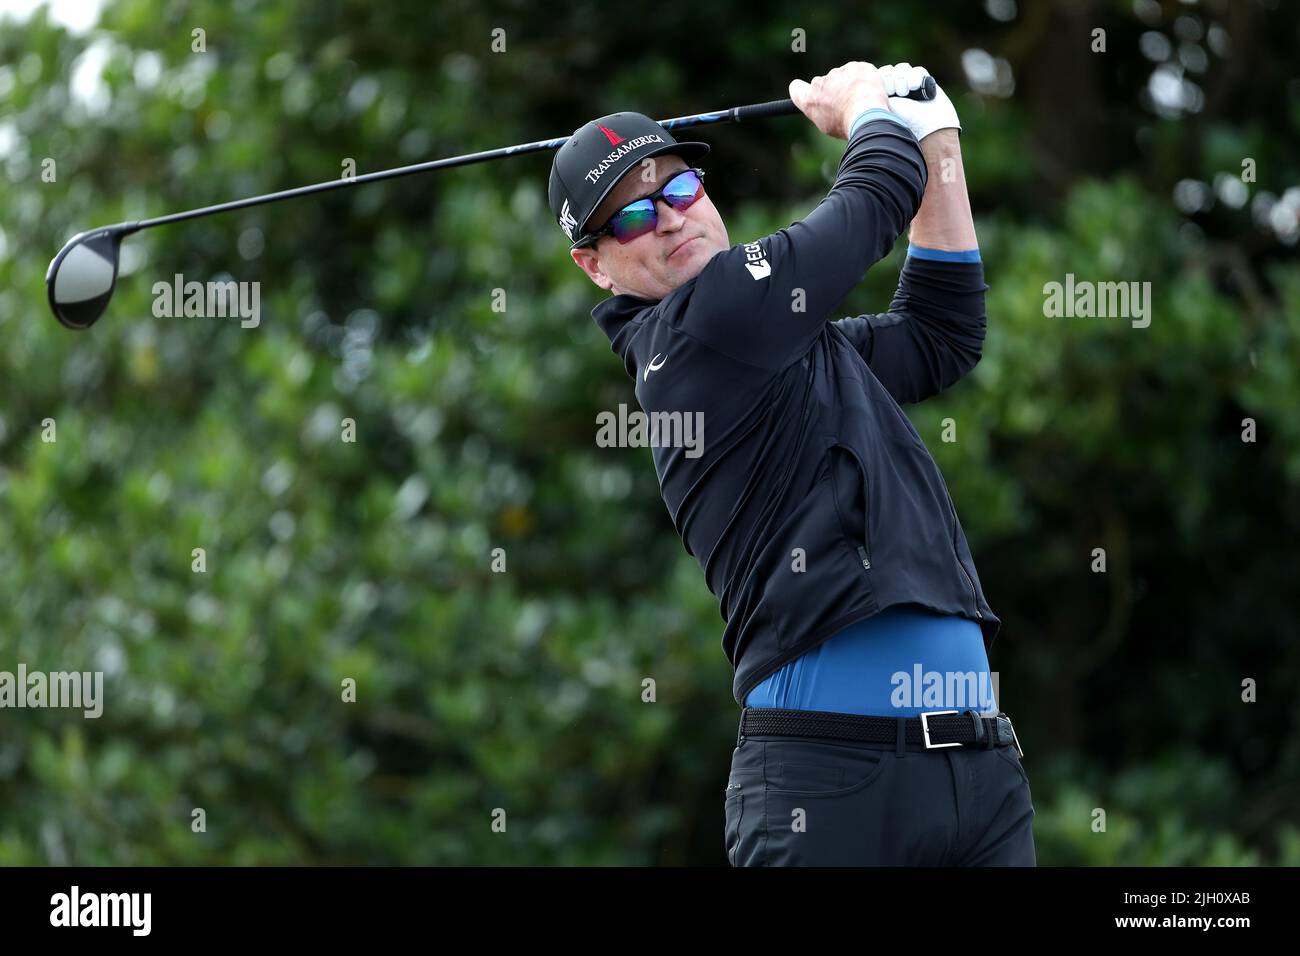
column 614, row 138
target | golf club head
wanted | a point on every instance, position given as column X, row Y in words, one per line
column 81, row 277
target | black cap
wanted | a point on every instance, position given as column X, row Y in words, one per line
column 592, row 161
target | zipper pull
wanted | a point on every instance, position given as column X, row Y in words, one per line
column 862, row 553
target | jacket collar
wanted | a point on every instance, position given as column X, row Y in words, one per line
column 614, row 314
column 618, row 312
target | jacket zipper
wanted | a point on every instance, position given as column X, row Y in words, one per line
column 866, row 512
column 961, row 564
column 973, row 596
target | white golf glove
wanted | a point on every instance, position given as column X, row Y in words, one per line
column 923, row 118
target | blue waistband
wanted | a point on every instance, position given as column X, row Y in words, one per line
column 900, row 663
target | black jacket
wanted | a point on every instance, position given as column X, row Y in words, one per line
column 814, row 503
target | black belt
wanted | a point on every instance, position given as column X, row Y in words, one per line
column 931, row 731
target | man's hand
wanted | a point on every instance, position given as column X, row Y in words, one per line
column 921, row 117
column 834, row 100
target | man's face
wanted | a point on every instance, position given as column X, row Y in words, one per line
column 651, row 266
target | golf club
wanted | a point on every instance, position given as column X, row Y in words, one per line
column 81, row 278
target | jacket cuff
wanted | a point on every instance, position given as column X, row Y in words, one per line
column 874, row 113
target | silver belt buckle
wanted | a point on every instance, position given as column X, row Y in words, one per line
column 925, row 729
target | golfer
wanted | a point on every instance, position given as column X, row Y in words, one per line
column 855, row 619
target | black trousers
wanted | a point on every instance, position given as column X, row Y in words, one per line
column 794, row 801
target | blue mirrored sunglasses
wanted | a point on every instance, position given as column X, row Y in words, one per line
column 639, row 217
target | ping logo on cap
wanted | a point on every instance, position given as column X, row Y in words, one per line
column 567, row 222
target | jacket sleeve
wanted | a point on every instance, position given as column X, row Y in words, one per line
column 764, row 303
column 932, row 334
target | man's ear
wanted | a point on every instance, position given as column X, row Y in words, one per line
column 589, row 263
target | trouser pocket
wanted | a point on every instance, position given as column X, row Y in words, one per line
column 742, row 807
column 735, row 809
column 1009, row 754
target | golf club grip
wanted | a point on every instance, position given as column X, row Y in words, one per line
column 782, row 107
column 763, row 110
column 925, row 93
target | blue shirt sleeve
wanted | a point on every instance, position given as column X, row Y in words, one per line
column 943, row 255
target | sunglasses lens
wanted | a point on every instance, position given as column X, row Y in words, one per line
column 640, row 217
column 683, row 189
column 634, row 220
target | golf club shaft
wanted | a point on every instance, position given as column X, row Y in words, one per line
column 734, row 115
column 718, row 116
